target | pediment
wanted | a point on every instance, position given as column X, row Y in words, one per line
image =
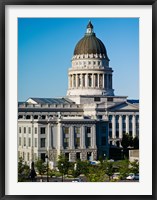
column 124, row 106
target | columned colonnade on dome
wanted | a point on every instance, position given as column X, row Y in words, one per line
column 93, row 80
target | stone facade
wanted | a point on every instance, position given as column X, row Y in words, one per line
column 84, row 124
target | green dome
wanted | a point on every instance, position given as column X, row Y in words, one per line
column 90, row 44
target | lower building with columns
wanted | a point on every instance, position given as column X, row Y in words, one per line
column 85, row 124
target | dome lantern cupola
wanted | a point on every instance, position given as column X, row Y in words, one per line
column 90, row 73
column 89, row 28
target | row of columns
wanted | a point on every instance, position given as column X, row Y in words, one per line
column 120, row 121
column 98, row 80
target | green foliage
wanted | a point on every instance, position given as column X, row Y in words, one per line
column 108, row 168
column 95, row 174
column 63, row 164
column 136, row 142
column 134, row 167
column 126, row 141
column 80, row 167
column 53, row 172
column 40, row 166
column 23, row 171
column 123, row 168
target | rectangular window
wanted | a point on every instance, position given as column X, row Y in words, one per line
column 42, row 142
column 24, row 142
column 42, row 156
column 77, row 130
column 29, row 142
column 77, row 155
column 77, row 142
column 66, row 142
column 66, row 130
column 96, row 98
column 29, row 130
column 24, row 129
column 67, row 156
column 88, row 141
column 88, row 129
column 109, row 99
column 35, row 142
column 23, row 155
column 35, row 130
column 42, row 130
column 19, row 141
column 19, row 129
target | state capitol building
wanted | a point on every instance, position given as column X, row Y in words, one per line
column 89, row 122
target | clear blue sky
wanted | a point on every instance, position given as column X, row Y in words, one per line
column 46, row 46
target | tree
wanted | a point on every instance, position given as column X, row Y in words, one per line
column 80, row 167
column 109, row 168
column 136, row 142
column 123, row 168
column 23, row 170
column 63, row 164
column 126, row 141
column 95, row 174
column 41, row 167
column 134, row 167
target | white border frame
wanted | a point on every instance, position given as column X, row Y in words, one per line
column 144, row 187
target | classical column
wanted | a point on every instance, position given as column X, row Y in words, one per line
column 72, row 80
column 93, row 136
column 32, row 141
column 86, row 80
column 92, row 80
column 76, row 79
column 83, row 146
column 51, row 137
column 98, row 80
column 72, row 137
column 81, row 77
column 120, row 127
column 59, row 137
column 134, row 126
column 103, row 81
column 113, row 126
column 48, row 137
column 127, row 124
